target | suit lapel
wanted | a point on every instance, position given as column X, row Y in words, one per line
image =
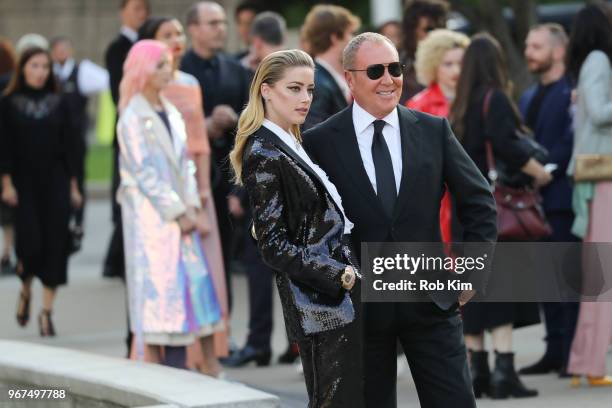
column 337, row 92
column 277, row 141
column 347, row 151
column 411, row 138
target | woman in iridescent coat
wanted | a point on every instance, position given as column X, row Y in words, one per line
column 185, row 94
column 172, row 300
column 301, row 229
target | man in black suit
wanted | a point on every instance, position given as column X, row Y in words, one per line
column 225, row 87
column 327, row 29
column 133, row 14
column 390, row 166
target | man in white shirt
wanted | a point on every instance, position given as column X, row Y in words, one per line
column 390, row 166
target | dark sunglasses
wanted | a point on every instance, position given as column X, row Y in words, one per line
column 375, row 71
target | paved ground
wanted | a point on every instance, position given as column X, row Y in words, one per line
column 90, row 315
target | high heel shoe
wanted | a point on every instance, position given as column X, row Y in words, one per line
column 45, row 324
column 592, row 381
column 23, row 309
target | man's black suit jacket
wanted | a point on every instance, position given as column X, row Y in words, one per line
column 327, row 99
column 432, row 159
column 116, row 54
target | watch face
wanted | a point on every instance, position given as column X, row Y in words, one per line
column 347, row 278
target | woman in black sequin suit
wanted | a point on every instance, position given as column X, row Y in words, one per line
column 37, row 159
column 301, row 230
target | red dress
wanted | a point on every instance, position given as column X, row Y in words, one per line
column 431, row 100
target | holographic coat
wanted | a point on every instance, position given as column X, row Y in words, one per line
column 169, row 287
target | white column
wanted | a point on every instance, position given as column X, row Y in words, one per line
column 385, row 10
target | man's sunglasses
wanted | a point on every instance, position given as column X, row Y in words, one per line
column 376, row 71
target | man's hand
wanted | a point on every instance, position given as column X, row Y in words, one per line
column 9, row 195
column 235, row 206
column 224, row 117
column 465, row 296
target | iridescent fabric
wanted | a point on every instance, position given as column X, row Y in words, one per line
column 185, row 94
column 169, row 286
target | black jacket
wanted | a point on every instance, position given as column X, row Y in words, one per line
column 115, row 56
column 327, row 99
column 432, row 158
column 299, row 232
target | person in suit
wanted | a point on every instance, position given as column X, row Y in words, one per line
column 224, row 83
column 546, row 109
column 267, row 35
column 327, row 29
column 301, row 229
column 390, row 164
column 133, row 14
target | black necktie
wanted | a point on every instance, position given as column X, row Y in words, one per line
column 385, row 177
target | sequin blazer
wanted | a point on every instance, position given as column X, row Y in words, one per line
column 299, row 231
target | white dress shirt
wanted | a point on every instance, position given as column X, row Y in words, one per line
column 91, row 78
column 129, row 33
column 292, row 142
column 364, row 129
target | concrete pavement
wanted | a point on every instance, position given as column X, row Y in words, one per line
column 90, row 315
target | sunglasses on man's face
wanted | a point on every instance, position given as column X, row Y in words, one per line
column 375, row 71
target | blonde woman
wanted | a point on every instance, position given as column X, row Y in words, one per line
column 301, row 229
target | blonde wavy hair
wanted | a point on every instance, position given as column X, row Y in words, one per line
column 270, row 71
column 431, row 50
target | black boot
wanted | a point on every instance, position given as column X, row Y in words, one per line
column 481, row 375
column 246, row 355
column 505, row 381
column 544, row 366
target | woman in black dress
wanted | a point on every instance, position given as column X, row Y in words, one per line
column 37, row 170
column 484, row 80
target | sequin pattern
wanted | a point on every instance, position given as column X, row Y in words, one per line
column 300, row 236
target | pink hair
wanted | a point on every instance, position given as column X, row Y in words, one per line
column 139, row 65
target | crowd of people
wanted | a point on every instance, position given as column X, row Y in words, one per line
column 289, row 160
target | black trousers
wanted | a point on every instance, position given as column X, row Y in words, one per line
column 333, row 370
column 432, row 340
column 560, row 318
column 260, row 280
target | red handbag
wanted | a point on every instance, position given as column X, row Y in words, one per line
column 520, row 216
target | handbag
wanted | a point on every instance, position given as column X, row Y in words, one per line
column 520, row 216
column 593, row 167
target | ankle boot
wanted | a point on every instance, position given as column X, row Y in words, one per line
column 481, row 375
column 505, row 381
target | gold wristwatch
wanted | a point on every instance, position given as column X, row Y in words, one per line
column 347, row 276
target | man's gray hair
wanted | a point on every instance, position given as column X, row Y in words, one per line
column 351, row 49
